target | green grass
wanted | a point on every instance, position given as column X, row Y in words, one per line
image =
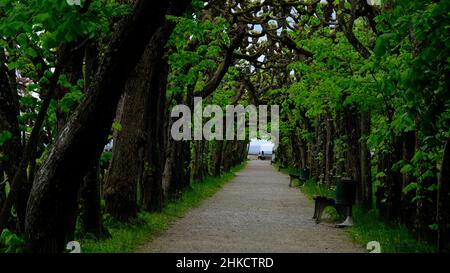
column 368, row 226
column 128, row 238
column 311, row 188
column 393, row 238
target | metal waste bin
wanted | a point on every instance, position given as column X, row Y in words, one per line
column 345, row 197
column 345, row 191
column 304, row 174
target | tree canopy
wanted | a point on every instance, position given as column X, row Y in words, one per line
column 363, row 91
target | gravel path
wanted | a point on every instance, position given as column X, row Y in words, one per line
column 256, row 212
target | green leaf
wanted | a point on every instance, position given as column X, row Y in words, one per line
column 412, row 186
column 380, row 175
column 432, row 188
column 433, row 226
column 42, row 18
column 11, row 242
column 63, row 81
column 383, row 44
column 5, row 136
column 4, row 235
column 71, row 99
column 117, row 126
column 406, row 169
column 28, row 101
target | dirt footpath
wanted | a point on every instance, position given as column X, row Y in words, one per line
column 256, row 212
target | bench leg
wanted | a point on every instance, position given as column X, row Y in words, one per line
column 320, row 210
column 316, row 204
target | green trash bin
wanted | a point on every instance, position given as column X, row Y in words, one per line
column 304, row 174
column 345, row 197
column 345, row 191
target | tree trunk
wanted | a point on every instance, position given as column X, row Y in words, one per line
column 53, row 199
column 296, row 150
column 154, row 153
column 315, row 151
column 426, row 211
column 226, row 156
column 329, row 154
column 90, row 193
column 339, row 152
column 390, row 192
column 206, row 158
column 125, row 171
column 12, row 149
column 9, row 111
column 19, row 186
column 218, row 157
column 407, row 207
column 169, row 154
column 443, row 202
column 73, row 70
column 353, row 132
column 196, row 157
column 322, row 148
column 197, row 169
column 120, row 185
column 180, row 171
column 366, row 174
column 90, row 206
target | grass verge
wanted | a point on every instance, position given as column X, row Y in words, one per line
column 128, row 238
column 393, row 238
column 368, row 226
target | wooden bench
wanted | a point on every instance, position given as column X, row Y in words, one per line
column 302, row 175
column 345, row 198
column 293, row 176
column 281, row 166
column 321, row 203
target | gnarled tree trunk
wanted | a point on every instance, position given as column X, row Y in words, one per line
column 154, row 154
column 120, row 187
column 53, row 200
column 90, row 205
